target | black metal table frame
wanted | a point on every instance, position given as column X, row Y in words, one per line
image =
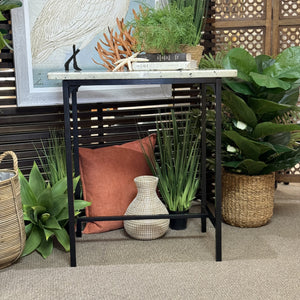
column 70, row 89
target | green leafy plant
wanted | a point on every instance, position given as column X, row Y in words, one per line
column 163, row 30
column 200, row 8
column 177, row 163
column 45, row 209
column 258, row 138
column 4, row 6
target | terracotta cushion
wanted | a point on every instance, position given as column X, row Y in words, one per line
column 107, row 179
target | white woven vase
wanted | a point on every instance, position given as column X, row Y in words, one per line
column 146, row 202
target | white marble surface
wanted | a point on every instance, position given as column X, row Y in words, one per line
column 142, row 74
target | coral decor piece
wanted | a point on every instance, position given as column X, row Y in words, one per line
column 117, row 46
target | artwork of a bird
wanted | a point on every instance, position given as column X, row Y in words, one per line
column 68, row 23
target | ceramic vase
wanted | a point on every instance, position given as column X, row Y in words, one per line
column 146, row 202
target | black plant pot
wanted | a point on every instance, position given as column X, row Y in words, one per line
column 178, row 224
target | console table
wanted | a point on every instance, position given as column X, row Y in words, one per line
column 72, row 81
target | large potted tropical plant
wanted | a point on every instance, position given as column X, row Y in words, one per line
column 259, row 136
column 177, row 162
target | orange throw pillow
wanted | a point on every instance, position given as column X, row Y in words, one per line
column 107, row 179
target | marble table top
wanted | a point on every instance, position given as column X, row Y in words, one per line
column 85, row 75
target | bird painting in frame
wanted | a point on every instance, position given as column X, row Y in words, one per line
column 72, row 24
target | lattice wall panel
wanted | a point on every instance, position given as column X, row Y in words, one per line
column 291, row 175
column 275, row 24
column 289, row 9
column 240, row 9
column 250, row 39
column 289, row 36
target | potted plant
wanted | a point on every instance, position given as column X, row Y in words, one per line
column 258, row 135
column 45, row 209
column 200, row 8
column 164, row 30
column 177, row 162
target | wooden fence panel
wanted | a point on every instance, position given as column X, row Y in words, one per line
column 260, row 26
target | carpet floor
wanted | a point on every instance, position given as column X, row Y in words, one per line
column 258, row 263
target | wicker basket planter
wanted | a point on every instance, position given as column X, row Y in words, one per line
column 12, row 229
column 195, row 51
column 247, row 201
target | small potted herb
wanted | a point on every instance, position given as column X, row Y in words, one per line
column 164, row 30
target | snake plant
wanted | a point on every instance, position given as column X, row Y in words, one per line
column 177, row 161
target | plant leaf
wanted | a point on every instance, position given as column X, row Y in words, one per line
column 37, row 211
column 269, row 128
column 81, row 204
column 28, row 228
column 249, row 148
column 36, row 180
column 247, row 166
column 287, row 64
column 33, row 241
column 239, row 108
column 263, row 61
column 269, row 82
column 59, row 187
column 52, row 223
column 59, row 203
column 27, row 195
column 48, row 233
column 263, row 106
column 63, row 215
column 63, row 238
column 45, row 199
column 45, row 248
column 9, row 4
column 242, row 61
column 283, row 161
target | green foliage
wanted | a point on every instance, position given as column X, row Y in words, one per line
column 4, row 6
column 54, row 152
column 164, row 29
column 177, row 163
column 214, row 62
column 200, row 8
column 45, row 209
column 264, row 93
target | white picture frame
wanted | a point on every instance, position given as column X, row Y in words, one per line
column 31, row 94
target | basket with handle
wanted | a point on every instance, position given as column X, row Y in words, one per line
column 12, row 228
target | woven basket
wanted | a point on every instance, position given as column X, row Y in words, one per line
column 12, row 228
column 247, row 201
column 195, row 51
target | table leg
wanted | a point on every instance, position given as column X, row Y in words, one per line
column 218, row 180
column 66, row 96
column 203, row 156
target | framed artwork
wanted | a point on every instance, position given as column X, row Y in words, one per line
column 44, row 32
